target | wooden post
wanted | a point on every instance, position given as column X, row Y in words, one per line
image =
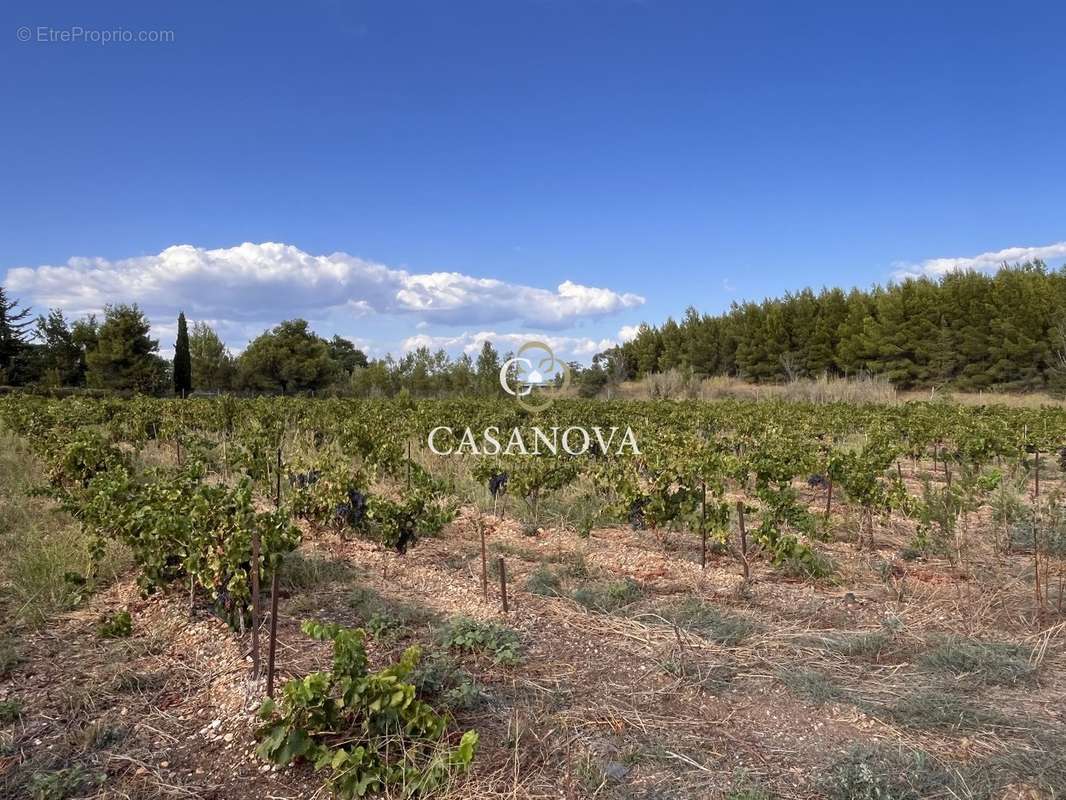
column 255, row 603
column 192, row 595
column 277, row 491
column 703, row 528
column 503, row 583
column 828, row 499
column 272, row 646
column 743, row 541
column 484, row 560
column 408, row 465
column 1036, row 492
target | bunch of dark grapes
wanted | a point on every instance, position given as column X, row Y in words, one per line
column 636, row 514
column 498, row 484
column 302, row 480
column 352, row 512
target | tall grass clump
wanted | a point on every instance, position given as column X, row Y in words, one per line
column 46, row 556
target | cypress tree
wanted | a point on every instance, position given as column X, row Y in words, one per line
column 182, row 360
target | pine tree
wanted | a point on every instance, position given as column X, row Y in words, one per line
column 124, row 357
column 14, row 322
column 182, row 359
column 832, row 309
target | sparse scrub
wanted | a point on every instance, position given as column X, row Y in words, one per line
column 384, row 617
column 936, row 709
column 981, row 662
column 544, row 582
column 866, row 773
column 711, row 678
column 812, row 685
column 10, row 711
column 693, row 614
column 608, row 596
column 747, row 788
column 302, row 571
column 867, row 646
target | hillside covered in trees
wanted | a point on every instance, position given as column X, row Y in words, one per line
column 969, row 330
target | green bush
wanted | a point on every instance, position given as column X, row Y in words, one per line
column 116, row 626
column 471, row 636
column 370, row 729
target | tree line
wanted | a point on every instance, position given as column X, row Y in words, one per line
column 968, row 330
column 117, row 353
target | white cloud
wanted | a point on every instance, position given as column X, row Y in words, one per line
column 270, row 281
column 567, row 347
column 627, row 332
column 934, row 267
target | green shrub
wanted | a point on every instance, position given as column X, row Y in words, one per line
column 441, row 679
column 10, row 711
column 116, row 626
column 370, row 729
column 471, row 636
column 60, row 784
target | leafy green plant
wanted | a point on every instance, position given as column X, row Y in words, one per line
column 441, row 678
column 472, row 636
column 10, row 711
column 116, row 626
column 60, row 784
column 369, row 729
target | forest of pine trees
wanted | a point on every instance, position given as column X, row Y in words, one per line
column 968, row 330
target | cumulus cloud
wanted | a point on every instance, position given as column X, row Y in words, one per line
column 271, row 281
column 566, row 347
column 935, row 267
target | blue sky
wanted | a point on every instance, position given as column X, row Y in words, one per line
column 665, row 153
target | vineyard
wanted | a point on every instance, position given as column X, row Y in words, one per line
column 287, row 596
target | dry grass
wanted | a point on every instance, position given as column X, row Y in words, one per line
column 678, row 385
column 46, row 559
